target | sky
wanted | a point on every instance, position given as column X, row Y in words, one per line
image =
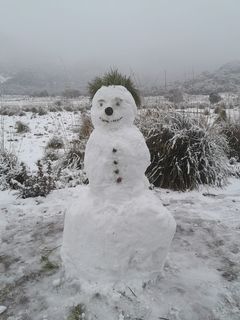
column 144, row 37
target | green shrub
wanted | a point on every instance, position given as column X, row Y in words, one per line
column 113, row 77
column 35, row 185
column 77, row 312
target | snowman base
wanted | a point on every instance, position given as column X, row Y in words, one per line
column 106, row 241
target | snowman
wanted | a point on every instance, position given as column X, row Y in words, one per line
column 117, row 229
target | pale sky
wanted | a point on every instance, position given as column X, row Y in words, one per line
column 144, row 36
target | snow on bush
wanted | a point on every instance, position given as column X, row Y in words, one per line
column 9, row 168
column 36, row 184
column 232, row 133
column 21, row 127
column 55, row 143
column 184, row 152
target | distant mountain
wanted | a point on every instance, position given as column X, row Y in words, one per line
column 224, row 79
column 55, row 81
column 28, row 81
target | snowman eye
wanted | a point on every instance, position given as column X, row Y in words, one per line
column 118, row 103
column 101, row 103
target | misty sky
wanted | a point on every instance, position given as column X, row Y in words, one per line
column 141, row 36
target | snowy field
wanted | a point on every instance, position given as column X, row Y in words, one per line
column 201, row 277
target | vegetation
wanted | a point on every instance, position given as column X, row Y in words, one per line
column 86, row 127
column 113, row 77
column 232, row 133
column 77, row 312
column 9, row 167
column 214, row 98
column 184, row 153
column 35, row 185
column 71, row 93
column 21, row 127
column 55, row 143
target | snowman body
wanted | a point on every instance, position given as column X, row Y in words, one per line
column 117, row 230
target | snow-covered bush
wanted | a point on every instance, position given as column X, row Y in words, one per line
column 9, row 168
column 232, row 133
column 42, row 111
column 73, row 157
column 55, row 143
column 21, row 127
column 184, row 152
column 36, row 184
column 86, row 126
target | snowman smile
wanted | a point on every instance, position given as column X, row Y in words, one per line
column 115, row 120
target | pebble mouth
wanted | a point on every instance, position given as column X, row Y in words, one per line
column 108, row 121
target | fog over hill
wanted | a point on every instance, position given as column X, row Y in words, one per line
column 224, row 79
column 29, row 80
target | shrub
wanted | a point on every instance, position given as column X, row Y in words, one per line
column 232, row 133
column 71, row 93
column 40, row 94
column 206, row 112
column 175, row 96
column 86, row 127
column 113, row 77
column 217, row 109
column 222, row 116
column 68, row 108
column 22, row 114
column 42, row 111
column 73, row 158
column 50, row 155
column 35, row 185
column 58, row 103
column 55, row 143
column 8, row 168
column 184, row 154
column 214, row 98
column 21, row 127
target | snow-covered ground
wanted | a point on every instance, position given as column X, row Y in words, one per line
column 202, row 273
column 30, row 146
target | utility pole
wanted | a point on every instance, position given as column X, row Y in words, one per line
column 193, row 75
column 165, row 79
column 2, row 122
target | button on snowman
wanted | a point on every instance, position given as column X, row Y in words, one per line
column 117, row 229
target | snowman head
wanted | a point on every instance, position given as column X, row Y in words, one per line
column 113, row 107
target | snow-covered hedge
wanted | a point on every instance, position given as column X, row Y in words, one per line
column 184, row 152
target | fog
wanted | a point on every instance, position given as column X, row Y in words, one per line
column 144, row 37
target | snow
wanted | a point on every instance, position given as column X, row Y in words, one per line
column 30, row 146
column 117, row 230
column 2, row 309
column 201, row 277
